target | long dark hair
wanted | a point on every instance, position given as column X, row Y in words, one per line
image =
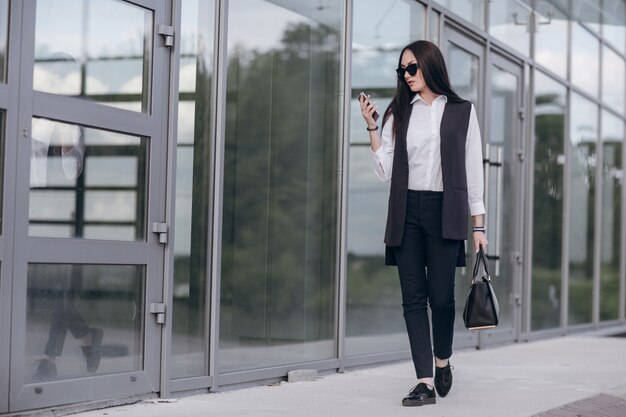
column 435, row 74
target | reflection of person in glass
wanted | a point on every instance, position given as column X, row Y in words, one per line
column 430, row 150
column 64, row 315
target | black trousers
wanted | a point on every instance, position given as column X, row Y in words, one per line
column 426, row 266
column 65, row 317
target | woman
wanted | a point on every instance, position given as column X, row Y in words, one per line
column 430, row 150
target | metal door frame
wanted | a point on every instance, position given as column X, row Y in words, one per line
column 8, row 95
column 149, row 253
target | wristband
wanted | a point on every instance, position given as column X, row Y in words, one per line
column 372, row 130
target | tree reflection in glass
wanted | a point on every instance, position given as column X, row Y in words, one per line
column 280, row 187
column 583, row 144
column 549, row 160
column 611, row 222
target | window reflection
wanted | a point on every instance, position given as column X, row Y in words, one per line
column 381, row 29
column 433, row 28
column 585, row 60
column 280, row 184
column 613, row 24
column 611, row 219
column 4, row 38
column 374, row 313
column 549, row 160
column 86, row 183
column 464, row 72
column 613, row 78
column 551, row 37
column 83, row 320
column 374, row 320
column 588, row 12
column 472, row 10
column 510, row 21
column 103, row 52
column 189, row 338
column 583, row 138
column 502, row 186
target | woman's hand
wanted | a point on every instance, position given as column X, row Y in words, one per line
column 480, row 239
column 367, row 111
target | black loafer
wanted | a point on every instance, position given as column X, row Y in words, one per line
column 93, row 352
column 419, row 395
column 46, row 369
column 443, row 380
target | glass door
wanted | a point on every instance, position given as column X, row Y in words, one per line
column 503, row 158
column 503, row 186
column 464, row 60
column 89, row 202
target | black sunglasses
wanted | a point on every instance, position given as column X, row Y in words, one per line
column 411, row 69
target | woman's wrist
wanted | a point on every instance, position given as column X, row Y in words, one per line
column 480, row 229
column 372, row 128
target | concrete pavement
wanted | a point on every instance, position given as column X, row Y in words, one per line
column 516, row 380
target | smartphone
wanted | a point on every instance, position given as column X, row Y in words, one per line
column 363, row 98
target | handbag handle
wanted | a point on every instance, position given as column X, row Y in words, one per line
column 480, row 258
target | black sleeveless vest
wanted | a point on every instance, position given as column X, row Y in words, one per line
column 455, row 210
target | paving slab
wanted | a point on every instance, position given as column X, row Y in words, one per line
column 523, row 379
column 600, row 405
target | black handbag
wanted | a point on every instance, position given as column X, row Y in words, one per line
column 481, row 307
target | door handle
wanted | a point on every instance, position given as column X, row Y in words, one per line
column 498, row 243
column 494, row 160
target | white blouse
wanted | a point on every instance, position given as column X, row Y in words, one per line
column 423, row 148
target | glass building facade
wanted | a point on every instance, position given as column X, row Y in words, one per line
column 189, row 184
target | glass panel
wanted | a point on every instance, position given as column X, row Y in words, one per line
column 551, row 38
column 472, row 10
column 433, row 27
column 374, row 321
column 509, row 21
column 86, row 183
column 583, row 138
column 280, row 184
column 189, row 338
column 613, row 76
column 612, row 186
column 614, row 22
column 96, row 50
column 502, row 187
column 549, row 160
column 379, row 38
column 4, row 38
column 464, row 72
column 585, row 60
column 83, row 320
column 588, row 12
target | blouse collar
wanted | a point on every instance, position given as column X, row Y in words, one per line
column 438, row 98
